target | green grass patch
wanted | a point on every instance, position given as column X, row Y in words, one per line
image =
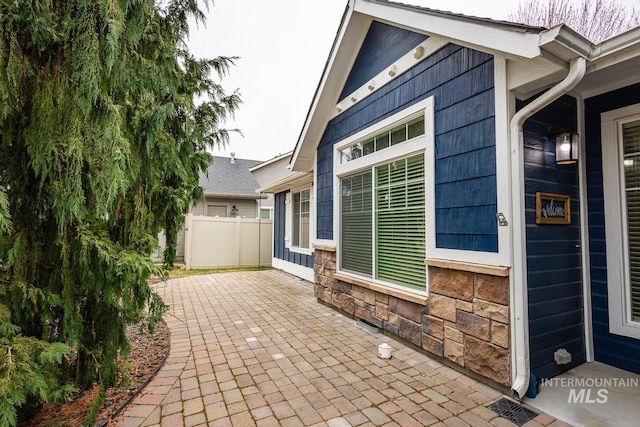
column 184, row 273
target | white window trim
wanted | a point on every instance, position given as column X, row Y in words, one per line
column 288, row 226
column 618, row 282
column 269, row 209
column 405, row 149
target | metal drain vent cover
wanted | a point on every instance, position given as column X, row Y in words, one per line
column 512, row 411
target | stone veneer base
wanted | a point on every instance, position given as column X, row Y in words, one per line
column 465, row 318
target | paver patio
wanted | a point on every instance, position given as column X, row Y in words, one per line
column 256, row 349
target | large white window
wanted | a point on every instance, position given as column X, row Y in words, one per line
column 621, row 176
column 382, row 200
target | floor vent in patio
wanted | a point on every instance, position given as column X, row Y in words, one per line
column 368, row 326
column 512, row 411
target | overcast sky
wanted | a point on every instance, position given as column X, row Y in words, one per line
column 283, row 46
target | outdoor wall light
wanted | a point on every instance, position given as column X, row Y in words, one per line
column 567, row 148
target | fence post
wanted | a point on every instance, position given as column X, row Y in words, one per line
column 188, row 226
column 237, row 245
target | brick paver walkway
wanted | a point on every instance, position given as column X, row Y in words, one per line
column 255, row 348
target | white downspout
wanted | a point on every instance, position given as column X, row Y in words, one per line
column 518, row 279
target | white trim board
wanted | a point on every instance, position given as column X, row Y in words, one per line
column 305, row 273
column 402, row 65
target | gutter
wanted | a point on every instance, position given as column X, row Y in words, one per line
column 518, row 281
column 236, row 196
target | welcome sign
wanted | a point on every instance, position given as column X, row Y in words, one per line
column 553, row 208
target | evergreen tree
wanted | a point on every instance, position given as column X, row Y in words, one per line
column 105, row 122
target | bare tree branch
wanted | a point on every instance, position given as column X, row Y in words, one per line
column 597, row 20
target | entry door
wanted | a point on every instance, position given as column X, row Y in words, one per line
column 554, row 260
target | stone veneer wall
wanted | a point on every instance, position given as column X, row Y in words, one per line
column 465, row 318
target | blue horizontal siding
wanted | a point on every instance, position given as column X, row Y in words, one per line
column 554, row 271
column 453, row 220
column 280, row 251
column 450, row 194
column 461, row 81
column 611, row 349
column 477, row 164
column 463, row 140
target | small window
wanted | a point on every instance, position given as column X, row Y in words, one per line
column 266, row 213
column 301, row 219
column 397, row 135
column 217, row 210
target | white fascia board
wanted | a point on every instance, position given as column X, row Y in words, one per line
column 629, row 40
column 613, row 51
column 483, row 37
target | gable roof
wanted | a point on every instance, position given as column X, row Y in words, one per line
column 508, row 39
column 224, row 178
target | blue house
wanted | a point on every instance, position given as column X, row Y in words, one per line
column 472, row 187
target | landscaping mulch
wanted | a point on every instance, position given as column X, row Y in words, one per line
column 148, row 353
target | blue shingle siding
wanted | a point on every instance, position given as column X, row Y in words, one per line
column 382, row 46
column 279, row 249
column 554, row 272
column 461, row 81
column 611, row 349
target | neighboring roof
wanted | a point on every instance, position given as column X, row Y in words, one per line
column 226, row 178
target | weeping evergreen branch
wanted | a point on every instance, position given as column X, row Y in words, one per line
column 106, row 120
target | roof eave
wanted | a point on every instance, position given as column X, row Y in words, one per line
column 513, row 39
column 483, row 33
column 235, row 196
column 294, row 180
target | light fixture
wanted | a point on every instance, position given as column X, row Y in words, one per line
column 234, row 210
column 567, row 148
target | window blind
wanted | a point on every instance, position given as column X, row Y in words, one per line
column 400, row 222
column 356, row 229
column 301, row 214
column 631, row 162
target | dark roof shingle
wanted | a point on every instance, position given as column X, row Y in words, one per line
column 224, row 177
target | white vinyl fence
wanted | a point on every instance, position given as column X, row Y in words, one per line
column 211, row 242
